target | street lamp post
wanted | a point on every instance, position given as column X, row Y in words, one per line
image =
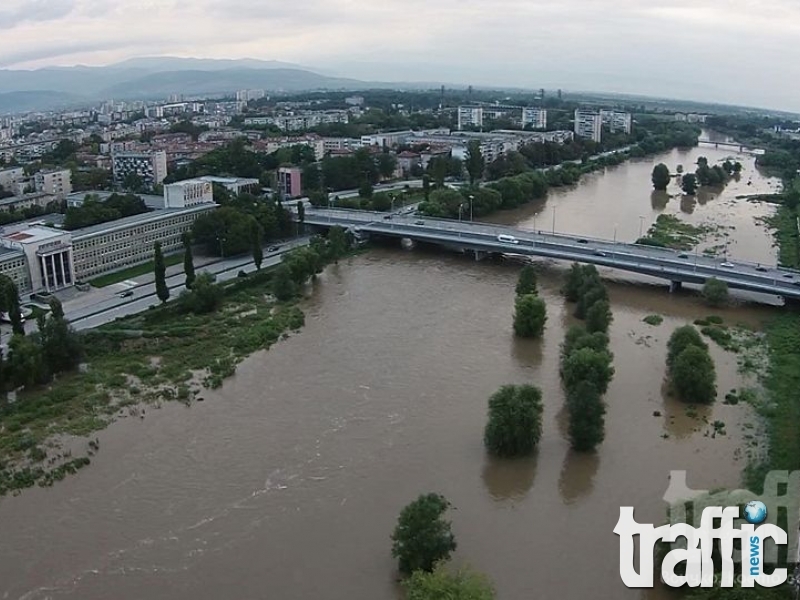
column 641, row 224
column 471, row 198
column 554, row 220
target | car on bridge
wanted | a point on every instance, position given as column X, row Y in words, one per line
column 727, row 265
column 507, row 239
column 419, row 222
column 600, row 253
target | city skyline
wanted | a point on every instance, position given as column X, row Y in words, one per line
column 676, row 49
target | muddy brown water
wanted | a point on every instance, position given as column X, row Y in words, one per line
column 287, row 482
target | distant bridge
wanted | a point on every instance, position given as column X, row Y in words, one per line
column 482, row 239
column 741, row 148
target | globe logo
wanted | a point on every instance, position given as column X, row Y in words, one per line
column 755, row 512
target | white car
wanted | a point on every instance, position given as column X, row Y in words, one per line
column 726, row 265
column 507, row 239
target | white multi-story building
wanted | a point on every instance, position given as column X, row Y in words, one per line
column 302, row 120
column 535, row 117
column 329, row 144
column 189, row 192
column 57, row 182
column 617, row 121
column 127, row 242
column 42, row 258
column 247, row 95
column 588, row 124
column 9, row 178
column 470, row 116
column 150, row 167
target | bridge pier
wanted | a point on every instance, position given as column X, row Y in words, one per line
column 675, row 286
column 407, row 244
column 480, row 255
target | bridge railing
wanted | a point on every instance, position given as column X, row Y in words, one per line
column 491, row 230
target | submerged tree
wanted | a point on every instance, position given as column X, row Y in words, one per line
column 423, row 537
column 530, row 316
column 661, row 176
column 526, row 284
column 514, row 426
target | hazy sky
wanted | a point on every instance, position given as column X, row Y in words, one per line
column 732, row 51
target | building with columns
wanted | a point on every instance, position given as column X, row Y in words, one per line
column 48, row 254
column 43, row 258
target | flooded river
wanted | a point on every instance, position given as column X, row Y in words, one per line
column 286, row 483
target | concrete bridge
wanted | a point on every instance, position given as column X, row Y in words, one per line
column 482, row 239
column 742, row 149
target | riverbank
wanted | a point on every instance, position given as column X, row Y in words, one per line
column 164, row 354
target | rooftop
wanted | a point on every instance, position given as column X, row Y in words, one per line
column 148, row 217
column 33, row 235
column 229, row 180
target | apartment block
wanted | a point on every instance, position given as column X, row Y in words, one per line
column 9, row 178
column 57, row 182
column 150, row 167
column 616, row 121
column 588, row 124
column 470, row 116
column 535, row 117
column 290, row 183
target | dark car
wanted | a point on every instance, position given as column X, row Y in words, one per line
column 761, row 269
column 583, row 241
column 387, row 216
column 419, row 222
column 788, row 276
column 683, row 255
column 125, row 294
column 273, row 248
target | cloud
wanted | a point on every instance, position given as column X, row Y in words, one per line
column 737, row 51
column 13, row 13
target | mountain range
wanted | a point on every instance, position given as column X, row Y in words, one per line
column 154, row 78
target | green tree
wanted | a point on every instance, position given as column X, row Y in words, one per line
column 441, row 584
column 693, row 376
column 338, row 242
column 661, row 176
column 586, row 417
column 591, row 293
column 475, row 162
column 423, row 537
column 61, row 346
column 530, row 316
column 426, row 187
column 160, row 269
column 715, row 292
column 257, row 237
column 526, row 284
column 682, row 338
column 9, row 303
column 188, row 260
column 689, row 184
column 588, row 365
column 365, row 189
column 205, row 296
column 599, row 317
column 283, row 287
column 26, row 361
column 514, row 426
column 574, row 283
